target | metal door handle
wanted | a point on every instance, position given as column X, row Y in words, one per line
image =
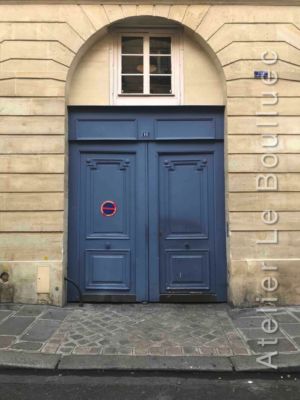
column 186, row 245
column 107, row 245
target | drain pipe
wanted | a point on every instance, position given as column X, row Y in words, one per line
column 78, row 290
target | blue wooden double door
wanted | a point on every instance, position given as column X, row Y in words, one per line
column 146, row 209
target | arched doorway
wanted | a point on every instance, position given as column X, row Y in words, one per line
column 146, row 201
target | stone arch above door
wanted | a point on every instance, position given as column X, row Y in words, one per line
column 205, row 88
column 199, row 81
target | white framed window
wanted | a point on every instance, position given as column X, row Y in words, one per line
column 146, row 67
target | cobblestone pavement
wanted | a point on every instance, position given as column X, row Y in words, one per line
column 150, row 329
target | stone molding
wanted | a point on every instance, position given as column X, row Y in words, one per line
column 160, row 2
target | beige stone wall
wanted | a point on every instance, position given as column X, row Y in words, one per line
column 38, row 43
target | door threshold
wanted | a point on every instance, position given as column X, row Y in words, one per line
column 188, row 298
column 106, row 298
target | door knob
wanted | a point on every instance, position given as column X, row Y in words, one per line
column 186, row 245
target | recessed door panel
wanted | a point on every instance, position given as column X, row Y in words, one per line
column 106, row 128
column 187, row 270
column 107, row 270
column 183, row 195
column 190, row 128
column 109, row 178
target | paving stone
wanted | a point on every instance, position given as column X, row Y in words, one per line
column 207, row 351
column 224, row 351
column 50, row 348
column 104, row 342
column 76, row 337
column 285, row 318
column 6, row 341
column 242, row 313
column 41, row 330
column 93, row 344
column 296, row 313
column 30, row 311
column 4, row 314
column 174, row 351
column 291, row 329
column 250, row 322
column 124, row 341
column 70, row 344
column 255, row 333
column 156, row 351
column 109, row 350
column 283, row 345
column 95, row 350
column 238, row 346
column 55, row 341
column 29, row 346
column 232, row 334
column 297, row 340
column 15, row 325
column 141, row 351
column 190, row 351
column 240, row 350
column 125, row 351
column 64, row 350
column 10, row 307
column 59, row 315
column 86, row 350
column 58, row 336
column 83, row 342
column 208, row 337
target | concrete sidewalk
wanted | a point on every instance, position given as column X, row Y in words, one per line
column 201, row 337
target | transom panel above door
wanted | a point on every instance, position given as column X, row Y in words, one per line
column 147, row 204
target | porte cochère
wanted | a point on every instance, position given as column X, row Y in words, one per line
column 147, row 204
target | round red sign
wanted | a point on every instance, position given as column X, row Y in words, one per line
column 108, row 208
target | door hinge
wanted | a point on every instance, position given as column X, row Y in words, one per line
column 227, row 229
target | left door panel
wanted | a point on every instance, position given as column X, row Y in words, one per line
column 109, row 260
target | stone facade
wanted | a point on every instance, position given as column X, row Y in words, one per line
column 41, row 45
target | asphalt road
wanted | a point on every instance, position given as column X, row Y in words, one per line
column 148, row 387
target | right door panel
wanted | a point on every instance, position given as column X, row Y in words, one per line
column 190, row 227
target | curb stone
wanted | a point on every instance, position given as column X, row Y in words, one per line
column 284, row 363
column 18, row 359
column 145, row 363
column 28, row 360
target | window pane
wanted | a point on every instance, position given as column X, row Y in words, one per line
column 160, row 45
column 132, row 84
column 160, row 65
column 132, row 45
column 160, row 84
column 132, row 64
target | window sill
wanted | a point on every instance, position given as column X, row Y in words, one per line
column 145, row 95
